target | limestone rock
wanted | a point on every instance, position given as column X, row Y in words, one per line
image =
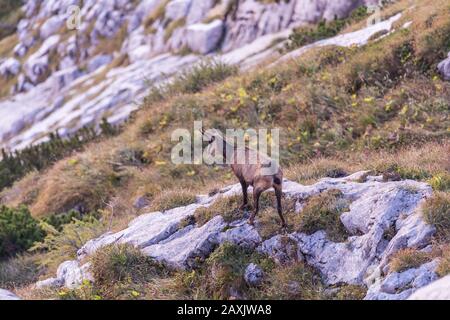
column 400, row 285
column 444, row 68
column 242, row 234
column 98, row 61
column 177, row 9
column 141, row 202
column 49, row 283
column 253, row 275
column 7, row 295
column 204, row 38
column 437, row 290
column 143, row 231
column 72, row 274
column 282, row 248
column 9, row 67
column 181, row 252
column 198, row 10
column 51, row 26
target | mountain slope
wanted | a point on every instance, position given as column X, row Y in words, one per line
column 382, row 107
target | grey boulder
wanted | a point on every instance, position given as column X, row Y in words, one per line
column 444, row 68
column 203, row 38
column 253, row 275
column 7, row 295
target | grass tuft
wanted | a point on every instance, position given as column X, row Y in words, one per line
column 408, row 258
column 322, row 212
column 436, row 211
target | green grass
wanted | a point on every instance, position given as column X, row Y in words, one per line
column 193, row 80
column 322, row 212
column 306, row 35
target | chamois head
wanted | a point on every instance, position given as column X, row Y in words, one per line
column 216, row 144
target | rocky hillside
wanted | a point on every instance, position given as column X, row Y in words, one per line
column 379, row 219
column 58, row 79
column 364, row 111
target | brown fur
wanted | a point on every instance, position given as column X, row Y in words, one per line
column 251, row 175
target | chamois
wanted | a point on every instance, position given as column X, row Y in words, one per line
column 248, row 174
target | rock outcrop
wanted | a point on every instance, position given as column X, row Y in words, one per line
column 438, row 290
column 444, row 68
column 382, row 218
column 7, row 295
column 144, row 36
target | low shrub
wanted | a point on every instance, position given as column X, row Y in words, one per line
column 18, row 230
column 60, row 246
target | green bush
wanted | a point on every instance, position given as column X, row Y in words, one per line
column 59, row 246
column 18, row 230
column 59, row 220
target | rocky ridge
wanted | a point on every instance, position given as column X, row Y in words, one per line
column 376, row 209
column 66, row 79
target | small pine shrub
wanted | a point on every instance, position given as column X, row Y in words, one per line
column 59, row 246
column 59, row 220
column 18, row 231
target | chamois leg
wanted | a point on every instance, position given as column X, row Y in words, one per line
column 244, row 194
column 256, row 194
column 278, row 194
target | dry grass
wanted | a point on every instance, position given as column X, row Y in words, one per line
column 293, row 282
column 171, row 199
column 227, row 207
column 378, row 108
column 436, row 211
column 444, row 263
column 322, row 212
column 408, row 258
column 351, row 292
